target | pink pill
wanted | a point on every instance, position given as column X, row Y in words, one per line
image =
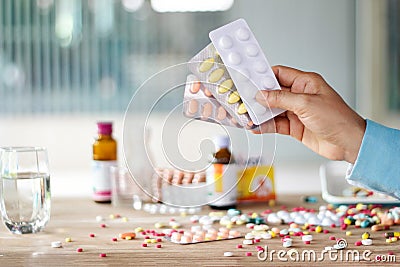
column 103, row 225
column 114, row 239
column 195, row 87
column 307, row 242
column 326, row 231
column 79, row 250
column 332, row 237
column 92, row 235
column 207, row 92
column 239, row 246
column 102, row 255
column 358, row 243
column 248, row 254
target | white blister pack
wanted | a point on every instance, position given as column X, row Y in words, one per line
column 247, row 66
column 199, row 104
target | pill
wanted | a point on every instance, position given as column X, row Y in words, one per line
column 365, row 235
column 193, row 106
column 225, row 86
column 102, row 255
column 332, row 237
column 207, row 92
column 92, row 235
column 225, row 42
column 221, row 113
column 366, row 242
column 248, row 254
column 306, row 238
column 233, row 98
column 68, row 239
column 206, row 65
column 228, row 254
column 138, row 229
column 239, row 246
column 243, row 34
column 260, row 67
column 206, row 112
column 56, row 244
column 216, row 75
column 242, row 109
column 103, row 225
column 125, row 219
column 195, row 87
column 247, row 242
column 99, row 218
column 358, row 243
column 158, row 246
column 114, row 239
column 234, row 58
column 79, row 250
column 269, row 83
column 128, row 235
column 144, row 245
column 251, row 50
column 348, row 233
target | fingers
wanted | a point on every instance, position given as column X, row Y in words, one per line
column 277, row 125
column 279, row 99
column 286, row 75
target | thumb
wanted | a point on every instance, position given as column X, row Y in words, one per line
column 278, row 99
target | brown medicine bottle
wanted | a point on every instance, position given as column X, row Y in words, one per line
column 222, row 176
column 104, row 156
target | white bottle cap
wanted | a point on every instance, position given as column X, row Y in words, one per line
column 222, row 141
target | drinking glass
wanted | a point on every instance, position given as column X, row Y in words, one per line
column 24, row 189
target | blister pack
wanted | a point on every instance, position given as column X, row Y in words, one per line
column 247, row 65
column 199, row 103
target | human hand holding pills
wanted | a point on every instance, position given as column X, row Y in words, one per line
column 317, row 116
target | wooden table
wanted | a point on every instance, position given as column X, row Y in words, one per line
column 76, row 218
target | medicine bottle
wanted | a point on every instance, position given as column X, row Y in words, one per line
column 221, row 176
column 104, row 156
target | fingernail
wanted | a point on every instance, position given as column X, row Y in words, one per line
column 260, row 97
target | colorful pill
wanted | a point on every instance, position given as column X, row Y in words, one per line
column 92, row 235
column 114, row 239
column 216, row 75
column 102, row 255
column 242, row 109
column 234, row 98
column 128, row 235
column 365, row 235
column 225, row 86
column 248, row 254
column 195, row 88
column 158, row 246
column 221, row 113
column 144, row 245
column 56, row 244
column 207, row 109
column 68, row 239
column 366, row 242
column 207, row 92
column 79, row 250
column 206, row 64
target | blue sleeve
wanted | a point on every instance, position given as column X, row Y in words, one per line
column 378, row 163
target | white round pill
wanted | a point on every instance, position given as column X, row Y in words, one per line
column 243, row 34
column 251, row 50
column 228, row 254
column 248, row 242
column 56, row 244
column 307, row 238
column 234, row 58
column 225, row 42
column 260, row 67
column 366, row 242
column 268, row 82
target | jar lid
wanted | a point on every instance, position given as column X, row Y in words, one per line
column 104, row 127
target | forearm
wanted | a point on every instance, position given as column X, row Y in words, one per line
column 378, row 163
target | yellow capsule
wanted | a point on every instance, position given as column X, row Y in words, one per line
column 318, row 229
column 125, row 219
column 153, row 241
column 225, row 86
column 147, row 241
column 68, row 239
column 206, row 64
column 233, row 98
column 159, row 225
column 396, row 234
column 254, row 215
column 347, row 221
column 365, row 235
column 348, row 233
column 388, row 240
column 138, row 229
column 306, row 232
column 272, row 233
column 242, row 109
column 393, row 239
column 216, row 75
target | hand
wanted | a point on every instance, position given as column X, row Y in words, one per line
column 316, row 115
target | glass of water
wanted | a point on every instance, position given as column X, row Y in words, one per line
column 24, row 189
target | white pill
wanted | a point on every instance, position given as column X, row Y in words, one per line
column 56, row 244
column 268, row 82
column 306, row 238
column 243, row 34
column 260, row 67
column 234, row 58
column 225, row 42
column 99, row 218
column 337, row 247
column 228, row 254
column 251, row 50
column 248, row 242
column 366, row 242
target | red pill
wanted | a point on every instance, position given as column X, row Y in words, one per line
column 326, row 231
column 159, row 240
column 158, row 246
column 390, row 253
column 333, row 225
column 92, row 235
column 114, row 239
column 307, row 242
column 248, row 254
column 103, row 225
column 239, row 246
column 102, row 255
column 358, row 243
column 332, row 237
column 79, row 250
column 144, row 245
column 257, row 240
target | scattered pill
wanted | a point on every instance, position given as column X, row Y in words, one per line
column 239, row 246
column 103, row 225
column 102, row 255
column 358, row 243
column 114, row 239
column 92, row 235
column 228, row 254
column 128, row 235
column 144, row 245
column 56, row 244
column 68, row 239
column 366, row 242
column 79, row 250
column 99, row 218
column 158, row 246
column 248, row 254
column 365, row 235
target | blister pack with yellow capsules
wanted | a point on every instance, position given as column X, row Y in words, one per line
column 198, row 103
column 215, row 78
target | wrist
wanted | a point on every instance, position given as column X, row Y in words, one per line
column 354, row 140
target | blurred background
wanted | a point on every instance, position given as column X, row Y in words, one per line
column 66, row 64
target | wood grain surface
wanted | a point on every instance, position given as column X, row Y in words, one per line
column 76, row 218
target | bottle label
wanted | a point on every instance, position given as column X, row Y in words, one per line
column 102, row 179
column 222, row 181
